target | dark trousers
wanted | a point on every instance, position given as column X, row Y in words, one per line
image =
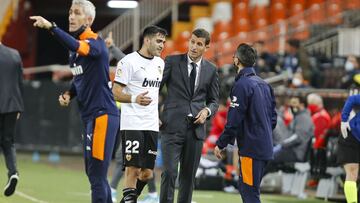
column 7, row 132
column 98, row 147
column 251, row 173
column 119, row 164
column 186, row 149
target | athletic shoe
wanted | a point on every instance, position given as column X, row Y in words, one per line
column 11, row 185
column 113, row 195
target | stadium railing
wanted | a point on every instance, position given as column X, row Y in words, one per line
column 127, row 27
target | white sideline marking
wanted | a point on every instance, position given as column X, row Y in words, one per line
column 28, row 197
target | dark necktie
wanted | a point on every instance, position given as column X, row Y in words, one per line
column 192, row 78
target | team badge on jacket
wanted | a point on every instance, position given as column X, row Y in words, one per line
column 160, row 71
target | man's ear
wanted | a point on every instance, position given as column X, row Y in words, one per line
column 207, row 47
column 89, row 21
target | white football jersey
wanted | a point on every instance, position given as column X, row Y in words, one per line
column 140, row 74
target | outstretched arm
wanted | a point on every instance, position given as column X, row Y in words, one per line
column 82, row 47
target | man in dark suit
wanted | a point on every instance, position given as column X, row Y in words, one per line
column 11, row 104
column 192, row 97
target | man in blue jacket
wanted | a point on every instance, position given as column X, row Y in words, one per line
column 89, row 63
column 251, row 120
column 349, row 146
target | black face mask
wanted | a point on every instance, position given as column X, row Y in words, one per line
column 76, row 34
column 294, row 110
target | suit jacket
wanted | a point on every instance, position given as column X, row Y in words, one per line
column 11, row 79
column 179, row 103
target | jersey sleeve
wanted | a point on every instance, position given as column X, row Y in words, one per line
column 89, row 47
column 123, row 72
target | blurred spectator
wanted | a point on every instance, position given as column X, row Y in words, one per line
column 349, row 146
column 217, row 126
column 298, row 81
column 322, row 122
column 114, row 51
column 352, row 72
column 265, row 62
column 296, row 60
column 296, row 147
column 281, row 132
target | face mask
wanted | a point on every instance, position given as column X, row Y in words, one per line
column 78, row 32
column 294, row 110
column 349, row 66
column 296, row 82
column 313, row 108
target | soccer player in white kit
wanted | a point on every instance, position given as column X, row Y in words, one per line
column 136, row 86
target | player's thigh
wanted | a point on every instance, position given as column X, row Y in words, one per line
column 150, row 149
column 348, row 150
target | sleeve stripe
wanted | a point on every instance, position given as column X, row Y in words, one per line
column 99, row 137
column 247, row 170
column 84, row 48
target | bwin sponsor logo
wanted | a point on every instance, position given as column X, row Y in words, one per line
column 77, row 70
column 151, row 83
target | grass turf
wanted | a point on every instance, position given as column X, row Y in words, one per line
column 66, row 182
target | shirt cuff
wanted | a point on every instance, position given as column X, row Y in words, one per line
column 220, row 144
column 208, row 111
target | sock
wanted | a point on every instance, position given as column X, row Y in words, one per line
column 350, row 191
column 153, row 194
column 140, row 186
column 129, row 195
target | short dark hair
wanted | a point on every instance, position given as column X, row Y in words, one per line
column 301, row 98
column 202, row 33
column 294, row 43
column 153, row 30
column 246, row 55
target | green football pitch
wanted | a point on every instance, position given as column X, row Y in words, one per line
column 66, row 182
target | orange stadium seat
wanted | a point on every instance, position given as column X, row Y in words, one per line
column 241, row 25
column 222, row 30
column 219, row 37
column 182, row 41
column 334, row 9
column 302, row 29
column 168, row 49
column 296, row 9
column 294, row 2
column 241, row 37
column 226, row 51
column 312, row 2
column 211, row 52
column 223, row 26
column 316, row 13
column 259, row 16
column 261, row 35
column 240, row 10
column 278, row 12
column 352, row 4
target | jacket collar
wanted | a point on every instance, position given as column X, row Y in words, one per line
column 245, row 72
column 87, row 34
